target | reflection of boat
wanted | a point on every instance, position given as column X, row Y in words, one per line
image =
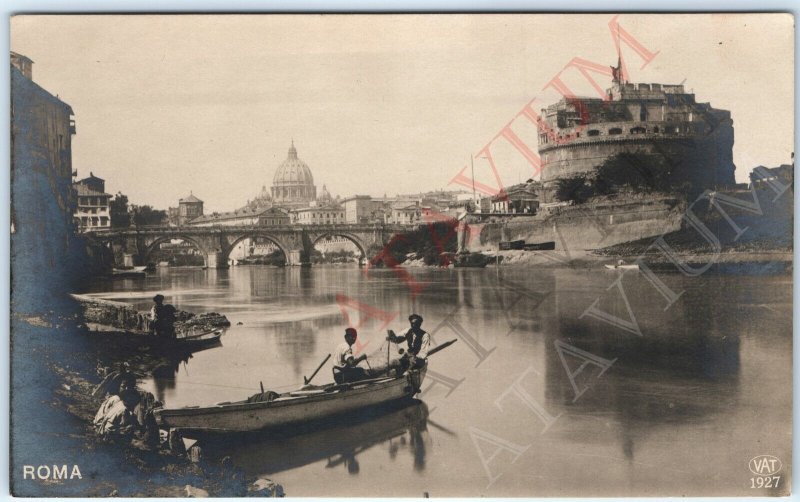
column 337, row 440
column 191, row 340
column 291, row 408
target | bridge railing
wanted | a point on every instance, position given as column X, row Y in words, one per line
column 223, row 228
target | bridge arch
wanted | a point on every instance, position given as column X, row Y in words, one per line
column 153, row 246
column 252, row 235
column 350, row 237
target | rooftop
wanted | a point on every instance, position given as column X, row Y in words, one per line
column 84, row 191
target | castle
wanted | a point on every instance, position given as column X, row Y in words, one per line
column 576, row 134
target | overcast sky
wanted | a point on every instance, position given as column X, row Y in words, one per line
column 375, row 104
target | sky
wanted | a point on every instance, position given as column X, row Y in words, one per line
column 375, row 104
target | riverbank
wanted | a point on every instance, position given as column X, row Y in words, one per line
column 736, row 261
column 728, row 261
column 54, row 411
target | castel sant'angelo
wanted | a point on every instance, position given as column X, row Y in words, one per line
column 576, row 135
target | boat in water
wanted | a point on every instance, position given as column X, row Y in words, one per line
column 309, row 403
column 621, row 265
column 190, row 340
column 129, row 272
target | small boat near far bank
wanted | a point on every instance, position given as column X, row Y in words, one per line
column 621, row 265
column 131, row 272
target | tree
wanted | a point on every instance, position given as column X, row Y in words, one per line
column 576, row 188
column 637, row 171
column 146, row 215
column 118, row 208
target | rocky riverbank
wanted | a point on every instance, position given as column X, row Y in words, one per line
column 55, row 408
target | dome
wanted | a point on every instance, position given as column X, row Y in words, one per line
column 293, row 171
column 293, row 183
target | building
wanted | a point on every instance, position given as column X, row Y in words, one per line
column 189, row 208
column 405, row 213
column 272, row 216
column 765, row 177
column 331, row 215
column 48, row 257
column 576, row 135
column 262, row 200
column 516, row 199
column 358, row 209
column 93, row 209
column 293, row 184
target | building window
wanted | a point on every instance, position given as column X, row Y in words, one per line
column 638, row 130
column 615, row 130
column 593, row 132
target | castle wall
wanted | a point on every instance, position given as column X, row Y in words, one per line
column 696, row 153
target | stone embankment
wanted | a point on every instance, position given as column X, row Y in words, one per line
column 579, row 230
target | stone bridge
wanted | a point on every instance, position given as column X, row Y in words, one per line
column 215, row 243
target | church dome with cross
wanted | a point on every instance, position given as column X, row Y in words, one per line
column 293, row 184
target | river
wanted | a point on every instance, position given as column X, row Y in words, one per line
column 563, row 382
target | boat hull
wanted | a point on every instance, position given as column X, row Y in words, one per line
column 290, row 408
column 143, row 340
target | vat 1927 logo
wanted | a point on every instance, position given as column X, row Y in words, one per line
column 766, row 469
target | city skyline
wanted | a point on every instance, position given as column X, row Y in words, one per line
column 211, row 105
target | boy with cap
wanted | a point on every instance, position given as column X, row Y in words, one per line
column 345, row 365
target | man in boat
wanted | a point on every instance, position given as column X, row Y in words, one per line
column 162, row 318
column 418, row 341
column 345, row 365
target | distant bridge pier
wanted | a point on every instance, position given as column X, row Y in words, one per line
column 298, row 258
column 217, row 259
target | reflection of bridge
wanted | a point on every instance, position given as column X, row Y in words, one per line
column 216, row 243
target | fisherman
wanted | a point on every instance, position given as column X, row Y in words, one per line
column 116, row 416
column 418, row 341
column 345, row 365
column 162, row 318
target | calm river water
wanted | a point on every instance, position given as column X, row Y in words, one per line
column 694, row 392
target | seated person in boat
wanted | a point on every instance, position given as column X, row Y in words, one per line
column 163, row 318
column 418, row 341
column 345, row 365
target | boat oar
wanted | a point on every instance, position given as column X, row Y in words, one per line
column 441, row 347
column 307, row 380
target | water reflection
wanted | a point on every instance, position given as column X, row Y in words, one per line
column 689, row 383
column 340, row 442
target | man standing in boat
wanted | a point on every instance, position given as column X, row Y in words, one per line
column 418, row 340
column 162, row 318
column 345, row 365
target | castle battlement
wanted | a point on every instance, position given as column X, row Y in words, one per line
column 576, row 135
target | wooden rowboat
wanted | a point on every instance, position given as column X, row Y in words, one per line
column 191, row 340
column 291, row 408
